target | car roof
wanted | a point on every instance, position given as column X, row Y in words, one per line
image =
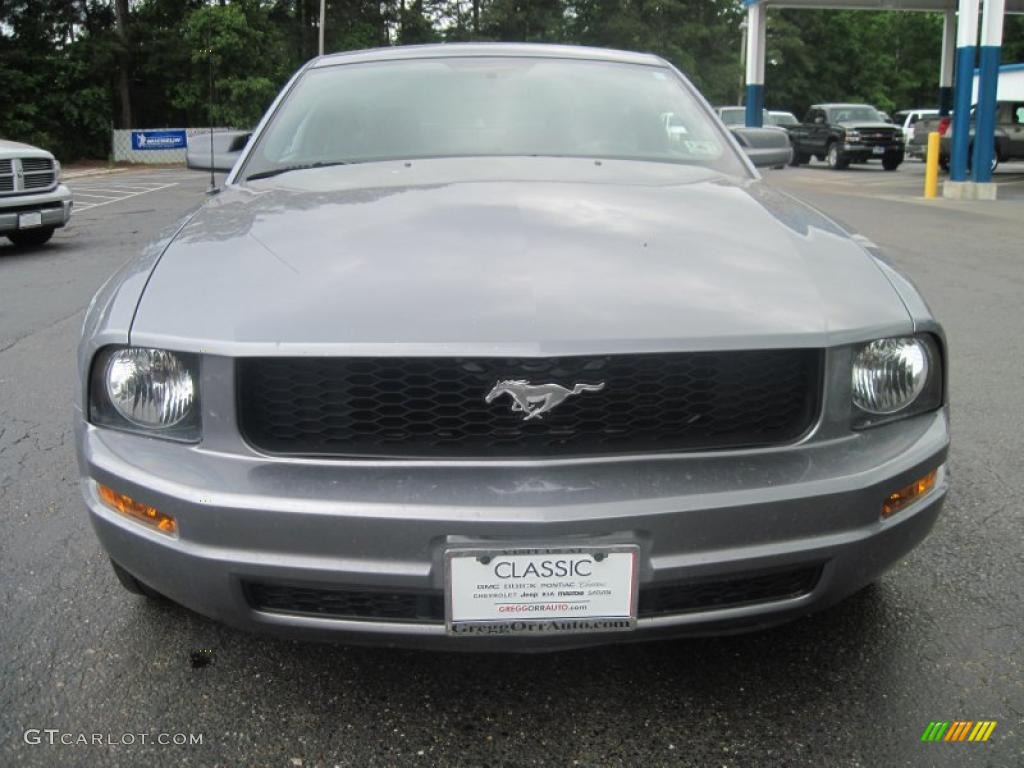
column 449, row 50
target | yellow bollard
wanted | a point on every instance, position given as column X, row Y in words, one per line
column 931, row 167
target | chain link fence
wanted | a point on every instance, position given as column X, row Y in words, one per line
column 157, row 145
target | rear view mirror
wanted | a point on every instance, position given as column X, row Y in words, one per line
column 227, row 148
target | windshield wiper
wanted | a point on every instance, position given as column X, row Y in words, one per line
column 286, row 168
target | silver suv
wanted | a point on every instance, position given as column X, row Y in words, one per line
column 33, row 202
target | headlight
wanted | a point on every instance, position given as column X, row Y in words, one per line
column 853, row 136
column 896, row 376
column 146, row 390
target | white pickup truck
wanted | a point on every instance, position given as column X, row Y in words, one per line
column 33, row 202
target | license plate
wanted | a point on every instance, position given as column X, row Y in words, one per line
column 28, row 220
column 879, row 150
column 534, row 591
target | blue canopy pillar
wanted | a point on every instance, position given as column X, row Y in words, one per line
column 948, row 62
column 966, row 37
column 988, row 80
column 757, row 14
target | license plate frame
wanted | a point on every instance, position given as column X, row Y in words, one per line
column 610, row 589
column 30, row 220
column 878, row 150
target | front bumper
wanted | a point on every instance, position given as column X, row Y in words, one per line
column 385, row 525
column 53, row 206
column 861, row 153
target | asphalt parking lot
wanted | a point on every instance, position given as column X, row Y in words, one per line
column 904, row 185
column 939, row 638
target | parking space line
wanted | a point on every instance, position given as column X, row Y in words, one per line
column 87, row 206
column 118, row 190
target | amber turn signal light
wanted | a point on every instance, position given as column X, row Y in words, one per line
column 908, row 494
column 143, row 513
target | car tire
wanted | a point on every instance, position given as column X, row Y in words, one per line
column 30, row 238
column 135, row 586
column 891, row 163
column 835, row 158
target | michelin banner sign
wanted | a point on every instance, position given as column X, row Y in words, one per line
column 159, row 140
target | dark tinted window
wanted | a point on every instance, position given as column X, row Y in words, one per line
column 855, row 113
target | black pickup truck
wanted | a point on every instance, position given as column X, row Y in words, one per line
column 841, row 134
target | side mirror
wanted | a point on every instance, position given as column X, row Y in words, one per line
column 227, row 147
column 766, row 147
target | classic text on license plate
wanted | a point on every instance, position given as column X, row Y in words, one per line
column 541, row 590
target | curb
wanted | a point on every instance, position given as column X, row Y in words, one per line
column 100, row 171
column 70, row 175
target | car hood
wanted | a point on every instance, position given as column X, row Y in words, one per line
column 17, row 149
column 519, row 256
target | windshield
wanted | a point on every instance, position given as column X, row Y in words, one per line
column 855, row 114
column 489, row 106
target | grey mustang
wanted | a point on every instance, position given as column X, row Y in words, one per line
column 503, row 347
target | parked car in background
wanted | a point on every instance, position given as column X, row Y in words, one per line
column 907, row 120
column 1008, row 139
column 841, row 134
column 33, row 202
column 782, row 119
column 738, row 115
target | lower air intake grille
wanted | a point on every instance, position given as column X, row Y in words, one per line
column 428, row 607
column 685, row 597
column 346, row 603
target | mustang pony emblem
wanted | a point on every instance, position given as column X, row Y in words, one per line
column 534, row 400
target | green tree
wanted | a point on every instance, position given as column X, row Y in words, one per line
column 889, row 59
column 249, row 63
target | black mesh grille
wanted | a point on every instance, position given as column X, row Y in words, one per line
column 430, row 407
column 727, row 593
column 428, row 607
column 346, row 603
